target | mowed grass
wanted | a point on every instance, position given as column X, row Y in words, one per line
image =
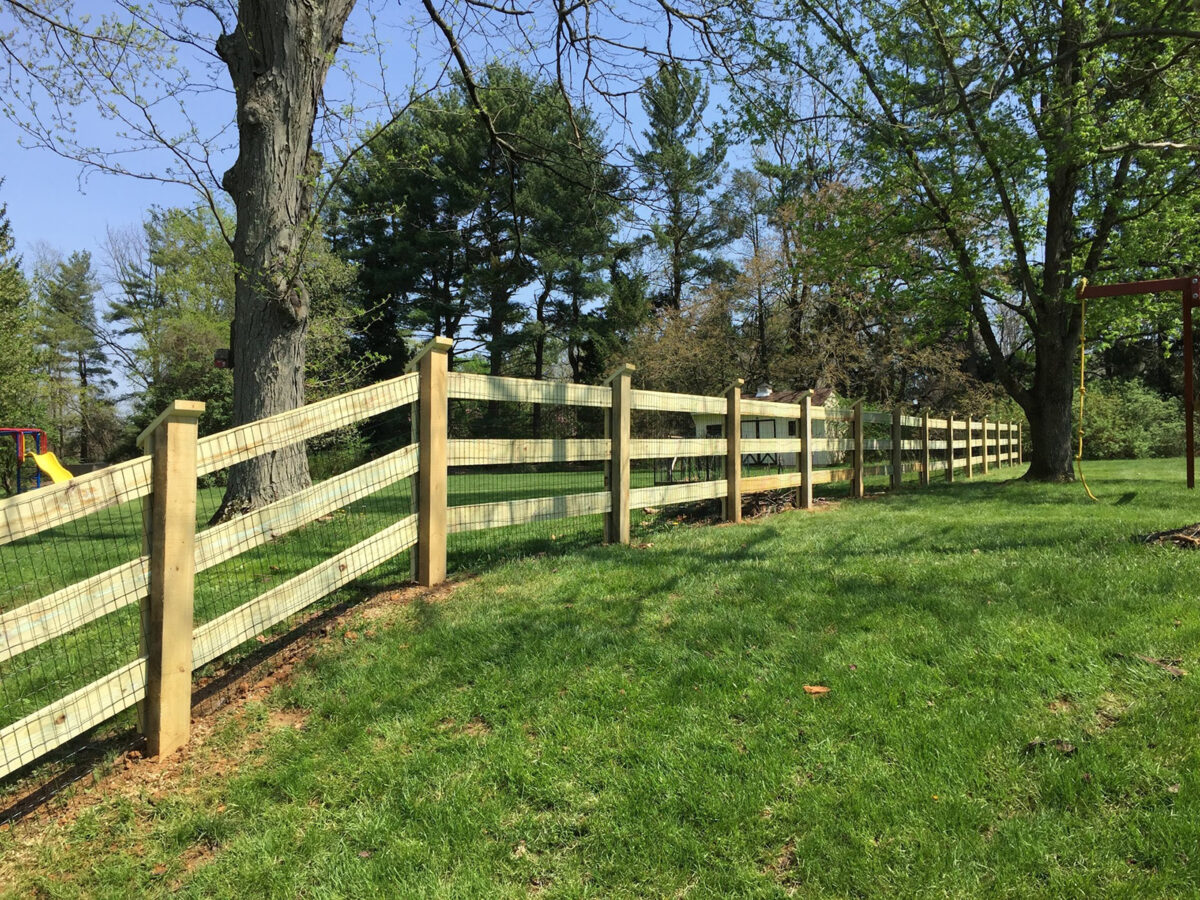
column 632, row 722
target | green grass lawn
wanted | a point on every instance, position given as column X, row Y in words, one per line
column 632, row 722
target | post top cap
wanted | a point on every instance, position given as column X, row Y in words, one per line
column 436, row 345
column 625, row 368
column 179, row 409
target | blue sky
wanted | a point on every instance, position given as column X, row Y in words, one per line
column 53, row 201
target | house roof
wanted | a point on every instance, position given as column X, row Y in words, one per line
column 820, row 395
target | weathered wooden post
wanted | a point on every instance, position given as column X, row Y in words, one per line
column 432, row 425
column 925, row 449
column 985, row 445
column 166, row 713
column 806, row 451
column 1020, row 445
column 733, row 452
column 617, row 429
column 897, row 447
column 1008, row 452
column 859, row 456
column 950, row 447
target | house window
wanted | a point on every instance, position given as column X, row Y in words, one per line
column 791, row 427
column 713, row 431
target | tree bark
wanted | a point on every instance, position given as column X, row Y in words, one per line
column 1049, row 400
column 278, row 58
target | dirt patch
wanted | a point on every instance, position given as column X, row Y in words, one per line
column 781, row 867
column 1060, row 705
column 1109, row 712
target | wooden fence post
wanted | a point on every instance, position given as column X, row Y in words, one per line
column 859, row 456
column 166, row 714
column 897, row 447
column 970, row 452
column 1020, row 444
column 617, row 428
column 925, row 449
column 1008, row 451
column 806, row 451
column 985, row 445
column 950, row 448
column 733, row 451
column 432, row 411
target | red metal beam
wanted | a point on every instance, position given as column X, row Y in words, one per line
column 1190, row 289
column 1157, row 286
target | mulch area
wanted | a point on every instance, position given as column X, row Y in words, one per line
column 1187, row 537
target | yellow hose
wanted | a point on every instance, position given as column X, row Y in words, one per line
column 1082, row 389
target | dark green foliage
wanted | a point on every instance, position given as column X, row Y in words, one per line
column 1127, row 420
column 452, row 226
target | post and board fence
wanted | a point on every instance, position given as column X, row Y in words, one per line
column 194, row 594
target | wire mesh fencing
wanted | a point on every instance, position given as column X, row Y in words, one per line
column 524, row 478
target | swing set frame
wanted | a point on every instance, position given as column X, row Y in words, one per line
column 1189, row 288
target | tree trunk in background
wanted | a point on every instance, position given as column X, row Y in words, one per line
column 1051, row 396
column 278, row 58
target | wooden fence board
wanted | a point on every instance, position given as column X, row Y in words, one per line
column 227, row 448
column 661, row 401
column 778, row 482
column 665, row 495
column 502, row 451
column 58, row 504
column 225, row 632
column 669, row 448
column 480, row 516
column 467, row 386
column 69, row 608
column 770, row 409
column 911, row 421
column 52, row 726
column 879, row 418
column 819, row 444
column 771, row 445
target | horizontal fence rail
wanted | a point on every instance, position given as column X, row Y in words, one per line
column 806, row 445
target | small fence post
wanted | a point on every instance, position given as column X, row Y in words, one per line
column 985, row 445
column 805, row 455
column 617, row 429
column 733, row 451
column 859, row 456
column 433, row 412
column 1020, row 444
column 925, row 449
column 166, row 713
column 1008, row 452
column 950, row 448
column 970, row 451
column 897, row 447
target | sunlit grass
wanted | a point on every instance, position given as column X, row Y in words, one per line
column 632, row 722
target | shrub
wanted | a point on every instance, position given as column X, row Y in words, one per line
column 1127, row 420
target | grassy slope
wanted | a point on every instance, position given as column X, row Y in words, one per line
column 632, row 722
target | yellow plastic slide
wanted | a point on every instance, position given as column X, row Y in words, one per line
column 51, row 467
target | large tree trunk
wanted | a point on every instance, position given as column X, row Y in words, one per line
column 278, row 57
column 1051, row 396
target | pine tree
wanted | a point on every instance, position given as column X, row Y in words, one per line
column 680, row 178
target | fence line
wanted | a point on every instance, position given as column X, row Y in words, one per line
column 162, row 579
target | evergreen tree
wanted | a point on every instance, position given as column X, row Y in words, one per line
column 76, row 368
column 19, row 400
column 680, row 178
